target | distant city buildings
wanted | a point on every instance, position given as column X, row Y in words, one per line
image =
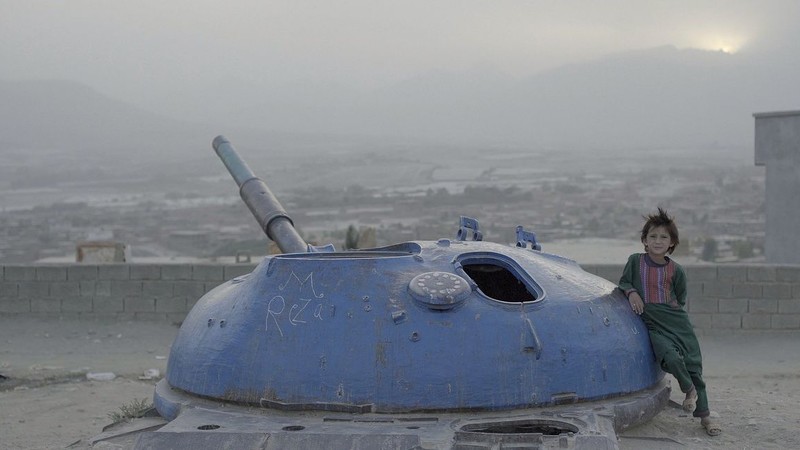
column 718, row 201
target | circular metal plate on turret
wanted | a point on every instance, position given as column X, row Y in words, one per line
column 439, row 290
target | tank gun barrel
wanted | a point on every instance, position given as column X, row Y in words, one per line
column 267, row 210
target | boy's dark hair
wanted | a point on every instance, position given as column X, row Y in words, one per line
column 661, row 219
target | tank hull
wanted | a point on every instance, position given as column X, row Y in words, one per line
column 203, row 423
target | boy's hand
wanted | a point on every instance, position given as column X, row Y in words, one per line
column 636, row 303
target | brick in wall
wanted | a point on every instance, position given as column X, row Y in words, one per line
column 46, row 305
column 51, row 273
column 145, row 272
column 157, row 289
column 82, row 273
column 733, row 305
column 123, row 288
column 701, row 273
column 34, row 289
column 700, row 320
column 171, row 305
column 76, row 304
column 65, row 289
column 747, row 290
column 777, row 290
column 717, row 289
column 762, row 306
column 113, row 272
column 789, row 306
column 106, row 305
column 694, row 289
column 138, row 304
column 787, row 274
column 204, row 272
column 761, row 273
column 703, row 305
column 86, row 288
column 732, row 273
column 19, row 273
column 9, row 290
column 785, row 321
column 15, row 305
column 757, row 321
column 726, row 321
column 102, row 288
column 176, row 272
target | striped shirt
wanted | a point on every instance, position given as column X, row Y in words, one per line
column 656, row 281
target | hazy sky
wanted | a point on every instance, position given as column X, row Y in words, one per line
column 126, row 46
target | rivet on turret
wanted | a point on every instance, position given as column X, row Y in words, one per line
column 414, row 336
column 211, row 322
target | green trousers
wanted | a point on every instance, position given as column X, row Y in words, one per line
column 677, row 350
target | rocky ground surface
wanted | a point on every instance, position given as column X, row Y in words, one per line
column 47, row 402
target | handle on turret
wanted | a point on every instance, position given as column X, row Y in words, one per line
column 259, row 199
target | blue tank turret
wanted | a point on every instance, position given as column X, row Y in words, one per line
column 433, row 344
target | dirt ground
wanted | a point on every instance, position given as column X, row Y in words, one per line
column 46, row 401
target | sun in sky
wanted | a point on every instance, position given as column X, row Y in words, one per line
column 727, row 43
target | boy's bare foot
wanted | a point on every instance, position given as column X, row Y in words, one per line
column 690, row 402
column 712, row 428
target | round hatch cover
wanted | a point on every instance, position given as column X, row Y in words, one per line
column 439, row 290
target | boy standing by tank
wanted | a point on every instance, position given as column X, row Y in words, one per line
column 655, row 286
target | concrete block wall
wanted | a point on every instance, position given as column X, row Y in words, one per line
column 121, row 291
column 751, row 297
column 720, row 296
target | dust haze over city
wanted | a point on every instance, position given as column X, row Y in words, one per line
column 393, row 118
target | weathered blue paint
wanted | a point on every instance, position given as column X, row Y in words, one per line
column 346, row 331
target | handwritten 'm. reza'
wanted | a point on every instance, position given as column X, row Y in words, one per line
column 298, row 304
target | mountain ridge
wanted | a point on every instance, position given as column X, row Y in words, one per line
column 661, row 97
